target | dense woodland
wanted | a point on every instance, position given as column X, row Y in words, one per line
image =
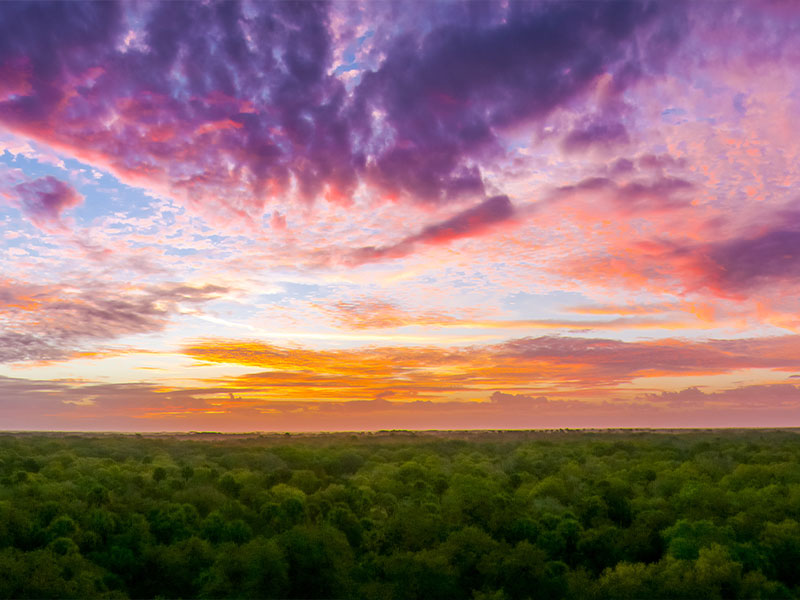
column 396, row 515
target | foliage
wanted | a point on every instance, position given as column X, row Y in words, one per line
column 401, row 515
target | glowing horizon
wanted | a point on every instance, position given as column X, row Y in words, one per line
column 342, row 216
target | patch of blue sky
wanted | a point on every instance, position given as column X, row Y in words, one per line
column 349, row 54
column 176, row 251
column 82, row 177
column 217, row 240
column 103, row 193
column 351, row 64
column 357, row 66
column 113, row 197
column 524, row 305
column 519, row 142
column 286, row 291
column 32, row 167
column 9, row 217
column 18, row 232
column 476, row 283
column 24, row 241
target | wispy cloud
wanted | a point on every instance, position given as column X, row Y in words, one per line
column 53, row 323
column 372, row 313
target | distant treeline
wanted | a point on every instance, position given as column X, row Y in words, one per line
column 705, row 514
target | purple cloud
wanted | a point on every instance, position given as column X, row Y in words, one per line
column 473, row 221
column 769, row 396
column 652, row 195
column 469, row 222
column 446, row 96
column 44, row 199
column 740, row 265
column 735, row 268
column 177, row 92
column 612, row 360
column 243, row 98
column 595, row 134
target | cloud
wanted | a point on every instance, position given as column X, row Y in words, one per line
column 471, row 222
column 518, row 401
column 374, row 313
column 742, row 265
column 443, row 100
column 73, row 405
column 24, row 347
column 43, row 200
column 197, row 98
column 562, row 365
column 50, row 323
column 89, row 406
column 639, row 196
column 227, row 106
column 660, row 162
column 277, row 222
column 600, row 134
column 739, row 267
column 750, row 397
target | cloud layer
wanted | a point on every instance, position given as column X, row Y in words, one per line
column 206, row 98
column 559, row 364
column 414, row 193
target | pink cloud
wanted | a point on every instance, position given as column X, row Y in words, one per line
column 278, row 221
column 473, row 221
column 642, row 196
column 88, row 406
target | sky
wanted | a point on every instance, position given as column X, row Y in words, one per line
column 399, row 215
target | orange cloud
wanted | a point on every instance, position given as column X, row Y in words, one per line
column 557, row 364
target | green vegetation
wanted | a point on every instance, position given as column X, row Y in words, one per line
column 397, row 515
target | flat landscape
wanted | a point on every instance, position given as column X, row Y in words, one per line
column 402, row 515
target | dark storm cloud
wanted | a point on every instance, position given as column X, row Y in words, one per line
column 445, row 97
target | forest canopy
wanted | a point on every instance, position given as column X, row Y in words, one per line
column 401, row 515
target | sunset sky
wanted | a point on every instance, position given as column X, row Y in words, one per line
column 450, row 215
